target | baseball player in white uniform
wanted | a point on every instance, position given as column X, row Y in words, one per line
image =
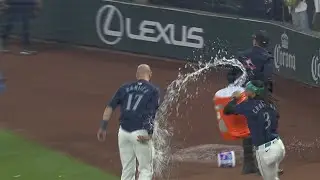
column 262, row 117
column 138, row 103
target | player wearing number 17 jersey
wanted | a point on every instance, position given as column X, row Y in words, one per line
column 138, row 103
column 262, row 118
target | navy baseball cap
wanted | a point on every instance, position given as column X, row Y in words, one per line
column 261, row 37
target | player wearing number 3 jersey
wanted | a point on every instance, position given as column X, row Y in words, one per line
column 262, row 118
column 138, row 103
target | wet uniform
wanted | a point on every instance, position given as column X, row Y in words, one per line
column 138, row 102
column 258, row 63
column 262, row 121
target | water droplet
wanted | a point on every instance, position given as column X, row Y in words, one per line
column 163, row 130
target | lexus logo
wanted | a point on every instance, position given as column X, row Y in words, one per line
column 107, row 16
column 112, row 27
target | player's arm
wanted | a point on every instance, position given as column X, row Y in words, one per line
column 233, row 107
column 154, row 104
column 115, row 101
column 230, row 108
column 106, row 117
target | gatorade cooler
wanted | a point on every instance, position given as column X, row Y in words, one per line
column 226, row 159
column 232, row 127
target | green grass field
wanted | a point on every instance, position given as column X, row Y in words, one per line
column 23, row 160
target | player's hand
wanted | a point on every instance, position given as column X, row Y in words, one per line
column 101, row 135
column 236, row 95
column 143, row 139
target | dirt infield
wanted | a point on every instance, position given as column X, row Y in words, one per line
column 57, row 98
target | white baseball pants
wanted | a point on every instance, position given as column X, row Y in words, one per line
column 269, row 156
column 132, row 150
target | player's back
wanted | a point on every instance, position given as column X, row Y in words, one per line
column 139, row 102
column 262, row 121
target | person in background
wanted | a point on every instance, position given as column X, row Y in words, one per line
column 277, row 12
column 316, row 16
column 255, row 8
column 298, row 9
column 18, row 11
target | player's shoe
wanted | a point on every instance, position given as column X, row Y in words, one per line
column 28, row 52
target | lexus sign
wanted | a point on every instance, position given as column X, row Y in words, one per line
column 112, row 27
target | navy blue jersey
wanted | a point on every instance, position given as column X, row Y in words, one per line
column 138, row 103
column 262, row 119
column 258, row 63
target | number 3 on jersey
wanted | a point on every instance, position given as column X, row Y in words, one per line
column 133, row 101
column 266, row 116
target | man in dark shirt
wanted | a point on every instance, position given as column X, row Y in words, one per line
column 258, row 63
column 18, row 11
column 138, row 103
column 262, row 118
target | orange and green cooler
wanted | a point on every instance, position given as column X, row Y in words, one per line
column 232, row 127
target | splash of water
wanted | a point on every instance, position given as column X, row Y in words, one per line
column 206, row 153
column 163, row 131
column 299, row 146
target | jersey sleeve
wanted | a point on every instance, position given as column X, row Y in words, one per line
column 116, row 99
column 229, row 108
column 240, row 108
column 233, row 108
